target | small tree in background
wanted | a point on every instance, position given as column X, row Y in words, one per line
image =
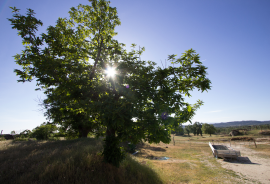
column 178, row 130
column 197, row 128
column 12, row 132
column 193, row 129
column 188, row 129
column 208, row 129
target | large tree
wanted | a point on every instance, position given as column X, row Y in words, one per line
column 69, row 63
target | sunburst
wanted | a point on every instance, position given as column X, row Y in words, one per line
column 110, row 72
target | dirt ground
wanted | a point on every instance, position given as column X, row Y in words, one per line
column 256, row 169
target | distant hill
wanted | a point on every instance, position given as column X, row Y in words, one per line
column 239, row 123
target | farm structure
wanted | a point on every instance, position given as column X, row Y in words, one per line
column 223, row 151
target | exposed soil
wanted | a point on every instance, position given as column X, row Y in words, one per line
column 249, row 165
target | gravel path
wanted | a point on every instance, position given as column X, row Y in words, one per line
column 249, row 165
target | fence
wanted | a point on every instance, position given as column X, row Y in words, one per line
column 228, row 143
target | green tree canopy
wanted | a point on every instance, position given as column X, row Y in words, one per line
column 208, row 129
column 197, row 128
column 69, row 63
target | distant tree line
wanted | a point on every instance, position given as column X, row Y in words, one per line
column 227, row 130
column 199, row 128
column 45, row 131
column 48, row 131
column 240, row 123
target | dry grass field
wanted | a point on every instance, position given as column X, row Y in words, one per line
column 189, row 162
column 75, row 161
column 79, row 161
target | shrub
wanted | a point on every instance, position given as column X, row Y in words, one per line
column 25, row 134
column 43, row 131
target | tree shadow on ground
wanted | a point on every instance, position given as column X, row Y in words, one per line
column 147, row 151
column 183, row 135
column 149, row 147
column 240, row 160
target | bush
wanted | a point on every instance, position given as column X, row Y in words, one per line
column 43, row 132
column 25, row 134
column 21, row 139
column 54, row 138
column 60, row 134
column 265, row 133
column 70, row 135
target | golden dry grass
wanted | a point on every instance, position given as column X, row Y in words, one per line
column 263, row 149
column 189, row 163
column 79, row 161
column 74, row 161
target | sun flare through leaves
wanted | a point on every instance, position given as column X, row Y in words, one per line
column 110, row 72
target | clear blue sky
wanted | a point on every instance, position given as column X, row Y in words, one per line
column 232, row 38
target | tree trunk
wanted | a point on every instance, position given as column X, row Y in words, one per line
column 110, row 132
column 112, row 151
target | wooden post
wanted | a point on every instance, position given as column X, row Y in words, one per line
column 230, row 142
column 254, row 142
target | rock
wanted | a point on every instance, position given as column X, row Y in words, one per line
column 234, row 132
